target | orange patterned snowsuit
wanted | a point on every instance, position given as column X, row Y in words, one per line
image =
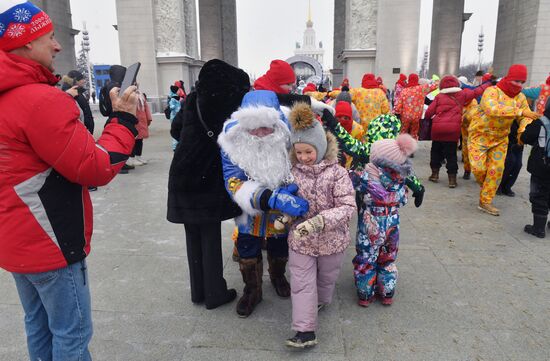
column 470, row 111
column 370, row 103
column 411, row 106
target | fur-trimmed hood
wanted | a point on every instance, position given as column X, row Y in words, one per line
column 450, row 90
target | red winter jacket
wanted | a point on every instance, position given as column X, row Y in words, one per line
column 446, row 111
column 47, row 160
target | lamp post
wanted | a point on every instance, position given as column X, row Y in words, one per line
column 480, row 39
column 86, row 48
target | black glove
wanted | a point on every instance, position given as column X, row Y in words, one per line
column 419, row 196
column 516, row 147
column 329, row 120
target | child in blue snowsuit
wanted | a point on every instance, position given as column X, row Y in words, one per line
column 383, row 185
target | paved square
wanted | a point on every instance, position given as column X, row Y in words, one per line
column 471, row 286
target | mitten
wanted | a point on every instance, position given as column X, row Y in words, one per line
column 320, row 107
column 283, row 199
column 281, row 222
column 310, row 226
column 329, row 120
column 419, row 196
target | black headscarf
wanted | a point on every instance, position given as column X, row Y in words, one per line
column 220, row 90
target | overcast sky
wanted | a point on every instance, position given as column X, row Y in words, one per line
column 268, row 29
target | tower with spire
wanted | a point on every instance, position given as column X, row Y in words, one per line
column 309, row 46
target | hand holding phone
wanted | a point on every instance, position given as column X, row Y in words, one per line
column 124, row 102
column 129, row 77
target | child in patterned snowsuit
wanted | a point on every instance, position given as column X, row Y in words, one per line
column 383, row 185
column 386, row 126
column 317, row 240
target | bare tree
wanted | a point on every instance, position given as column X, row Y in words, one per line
column 469, row 70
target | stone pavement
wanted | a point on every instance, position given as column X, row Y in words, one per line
column 471, row 287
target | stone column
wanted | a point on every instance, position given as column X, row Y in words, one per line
column 359, row 53
column 339, row 42
column 447, row 25
column 523, row 36
column 397, row 39
column 138, row 41
column 218, row 30
column 60, row 13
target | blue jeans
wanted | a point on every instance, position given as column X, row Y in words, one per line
column 58, row 315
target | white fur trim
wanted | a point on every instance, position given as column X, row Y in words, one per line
column 243, row 197
column 255, row 117
column 247, row 119
column 285, row 110
column 450, row 90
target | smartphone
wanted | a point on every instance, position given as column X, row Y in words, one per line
column 129, row 77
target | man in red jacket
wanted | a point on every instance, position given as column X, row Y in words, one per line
column 47, row 161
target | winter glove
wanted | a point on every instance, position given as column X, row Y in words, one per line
column 283, row 199
column 281, row 222
column 312, row 225
column 320, row 107
column 528, row 113
column 419, row 196
column 329, row 120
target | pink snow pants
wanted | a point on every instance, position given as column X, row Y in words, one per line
column 312, row 282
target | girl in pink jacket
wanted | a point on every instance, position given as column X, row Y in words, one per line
column 318, row 239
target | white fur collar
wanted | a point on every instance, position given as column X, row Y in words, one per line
column 450, row 90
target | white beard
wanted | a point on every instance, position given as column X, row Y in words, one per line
column 264, row 160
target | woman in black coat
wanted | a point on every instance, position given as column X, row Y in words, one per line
column 196, row 192
column 539, row 167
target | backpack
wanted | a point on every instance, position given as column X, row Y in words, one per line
column 545, row 143
column 167, row 110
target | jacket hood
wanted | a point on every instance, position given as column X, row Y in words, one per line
column 16, row 71
column 393, row 174
column 331, row 155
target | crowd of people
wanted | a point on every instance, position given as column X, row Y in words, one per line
column 290, row 166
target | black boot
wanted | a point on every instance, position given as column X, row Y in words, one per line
column 276, row 270
column 538, row 227
column 251, row 270
column 226, row 297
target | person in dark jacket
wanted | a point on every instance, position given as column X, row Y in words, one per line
column 539, row 167
column 446, row 111
column 196, row 193
column 75, row 78
column 513, row 163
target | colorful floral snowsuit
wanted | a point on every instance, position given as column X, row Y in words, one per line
column 377, row 240
column 470, row 111
column 488, row 138
column 410, row 105
column 544, row 95
column 370, row 103
column 385, row 126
